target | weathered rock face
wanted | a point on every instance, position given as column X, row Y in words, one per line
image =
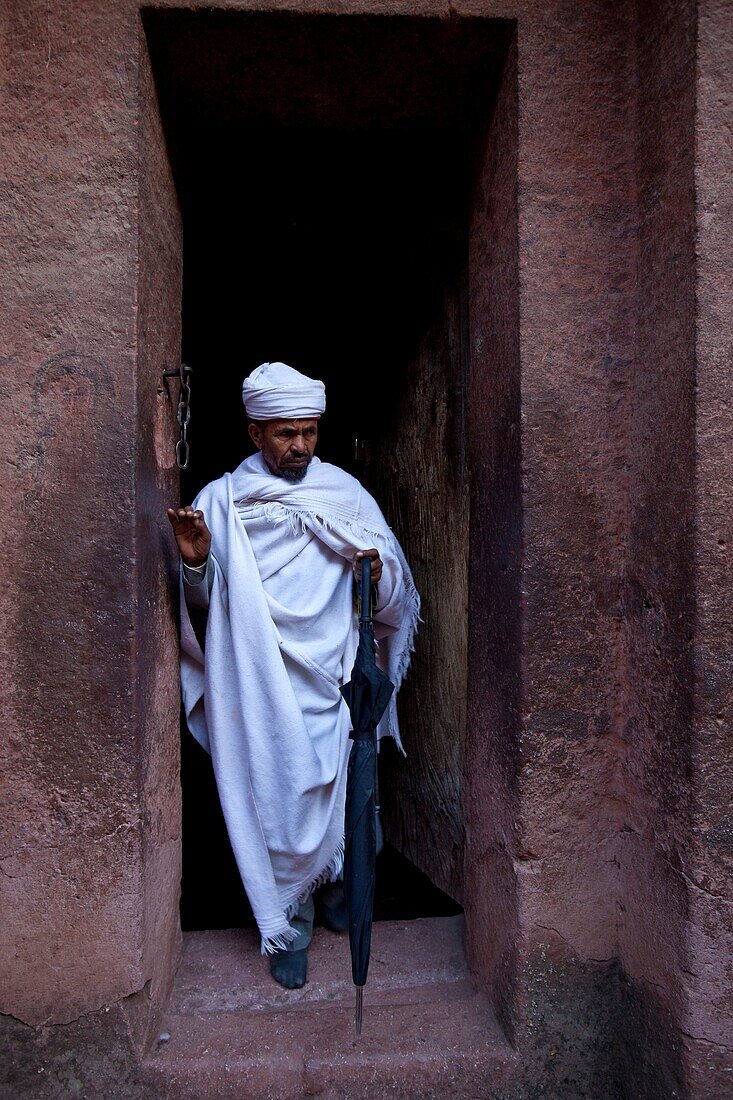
column 706, row 856
column 590, row 714
column 420, row 476
column 83, row 736
column 492, row 760
column 658, row 601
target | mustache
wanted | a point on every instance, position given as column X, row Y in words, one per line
column 296, row 460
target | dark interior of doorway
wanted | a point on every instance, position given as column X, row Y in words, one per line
column 323, row 169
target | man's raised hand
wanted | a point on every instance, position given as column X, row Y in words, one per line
column 192, row 534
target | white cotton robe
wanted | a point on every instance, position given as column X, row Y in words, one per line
column 263, row 696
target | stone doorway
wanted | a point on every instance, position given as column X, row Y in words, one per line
column 346, row 186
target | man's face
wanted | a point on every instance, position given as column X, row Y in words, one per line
column 287, row 445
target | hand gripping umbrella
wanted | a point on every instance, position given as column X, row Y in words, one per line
column 366, row 695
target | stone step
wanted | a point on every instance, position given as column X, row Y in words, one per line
column 236, row 1033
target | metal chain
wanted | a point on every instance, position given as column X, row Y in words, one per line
column 183, row 415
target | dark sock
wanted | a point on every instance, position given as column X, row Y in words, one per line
column 290, row 968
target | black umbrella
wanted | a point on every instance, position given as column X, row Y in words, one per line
column 367, row 695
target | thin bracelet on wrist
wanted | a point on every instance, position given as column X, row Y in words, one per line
column 197, row 567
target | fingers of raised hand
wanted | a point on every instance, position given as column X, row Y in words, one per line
column 185, row 516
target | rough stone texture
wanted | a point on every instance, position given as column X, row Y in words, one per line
column 91, row 860
column 93, row 1057
column 596, row 801
column 657, row 601
column 73, row 836
column 494, row 644
column 156, row 487
column 707, row 862
column 577, row 271
column 233, row 1031
column 548, row 531
column 421, row 480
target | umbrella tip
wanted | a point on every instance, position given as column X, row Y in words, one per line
column 359, row 1006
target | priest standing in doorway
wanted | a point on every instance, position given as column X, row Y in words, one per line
column 268, row 554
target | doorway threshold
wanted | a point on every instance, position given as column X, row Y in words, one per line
column 234, row 1032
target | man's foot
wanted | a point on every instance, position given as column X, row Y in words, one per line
column 290, row 968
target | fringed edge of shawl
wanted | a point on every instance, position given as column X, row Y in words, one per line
column 408, row 646
column 297, row 518
column 334, row 867
column 406, row 638
column 271, row 944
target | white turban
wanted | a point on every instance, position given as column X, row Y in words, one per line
column 275, row 391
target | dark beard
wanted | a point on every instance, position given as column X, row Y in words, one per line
column 294, row 473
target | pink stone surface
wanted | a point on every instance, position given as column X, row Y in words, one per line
column 494, row 631
column 707, row 861
column 234, row 1031
column 658, row 597
column 157, row 692
column 225, row 972
column 91, row 281
column 597, row 807
column 73, row 833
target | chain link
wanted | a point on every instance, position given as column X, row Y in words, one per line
column 183, row 416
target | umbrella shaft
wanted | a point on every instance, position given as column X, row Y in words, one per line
column 365, row 590
column 359, row 1008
